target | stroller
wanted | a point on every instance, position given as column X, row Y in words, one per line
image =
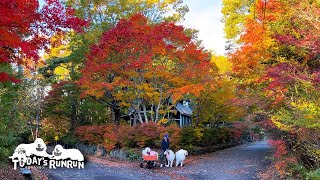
column 149, row 158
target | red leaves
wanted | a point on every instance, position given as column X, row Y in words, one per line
column 4, row 77
column 25, row 29
column 128, row 52
column 280, row 148
column 283, row 75
column 283, row 161
column 93, row 134
column 149, row 134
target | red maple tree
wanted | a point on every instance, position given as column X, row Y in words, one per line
column 25, row 28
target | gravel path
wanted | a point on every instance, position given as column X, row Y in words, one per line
column 241, row 162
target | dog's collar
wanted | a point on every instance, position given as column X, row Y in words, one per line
column 39, row 149
column 57, row 153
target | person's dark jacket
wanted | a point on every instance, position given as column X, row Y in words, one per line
column 165, row 144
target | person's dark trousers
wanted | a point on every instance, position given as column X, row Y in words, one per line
column 163, row 159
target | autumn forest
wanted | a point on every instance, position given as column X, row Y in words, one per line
column 122, row 73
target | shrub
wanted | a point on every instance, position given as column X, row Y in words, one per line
column 224, row 135
column 313, row 174
column 146, row 134
column 141, row 135
column 236, row 134
column 110, row 137
column 126, row 136
column 133, row 155
column 210, row 136
column 91, row 134
column 70, row 139
column 188, row 137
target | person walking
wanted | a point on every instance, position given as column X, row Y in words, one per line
column 165, row 144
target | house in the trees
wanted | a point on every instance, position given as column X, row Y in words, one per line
column 181, row 113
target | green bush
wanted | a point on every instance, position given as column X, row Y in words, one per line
column 210, row 136
column 188, row 137
column 224, row 135
column 313, row 174
column 133, row 155
column 216, row 135
column 70, row 139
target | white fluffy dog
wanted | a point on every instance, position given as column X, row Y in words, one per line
column 60, row 153
column 146, row 151
column 41, row 148
column 170, row 157
column 181, row 156
column 37, row 148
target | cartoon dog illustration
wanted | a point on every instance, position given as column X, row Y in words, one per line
column 38, row 148
column 60, row 153
column 21, row 155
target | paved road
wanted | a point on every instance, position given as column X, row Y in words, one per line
column 241, row 162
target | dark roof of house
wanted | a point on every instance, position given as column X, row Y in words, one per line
column 185, row 110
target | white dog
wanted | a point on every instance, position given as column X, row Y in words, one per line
column 41, row 148
column 181, row 156
column 37, row 148
column 170, row 157
column 21, row 155
column 60, row 153
column 146, row 151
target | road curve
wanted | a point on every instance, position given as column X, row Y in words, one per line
column 241, row 162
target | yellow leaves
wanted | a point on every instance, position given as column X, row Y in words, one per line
column 310, row 109
column 198, row 133
column 62, row 72
column 301, row 113
column 223, row 64
column 162, row 121
column 235, row 13
column 59, row 47
column 152, row 1
column 280, row 125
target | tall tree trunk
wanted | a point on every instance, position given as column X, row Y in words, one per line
column 37, row 122
column 139, row 114
column 116, row 115
column 145, row 113
column 157, row 114
column 152, row 114
column 74, row 116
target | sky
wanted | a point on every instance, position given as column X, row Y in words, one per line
column 205, row 16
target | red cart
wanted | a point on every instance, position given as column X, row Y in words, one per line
column 150, row 161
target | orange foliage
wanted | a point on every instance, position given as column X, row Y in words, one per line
column 92, row 134
column 110, row 137
column 141, row 135
column 25, row 28
column 136, row 53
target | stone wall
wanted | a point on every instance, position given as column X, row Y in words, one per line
column 99, row 151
